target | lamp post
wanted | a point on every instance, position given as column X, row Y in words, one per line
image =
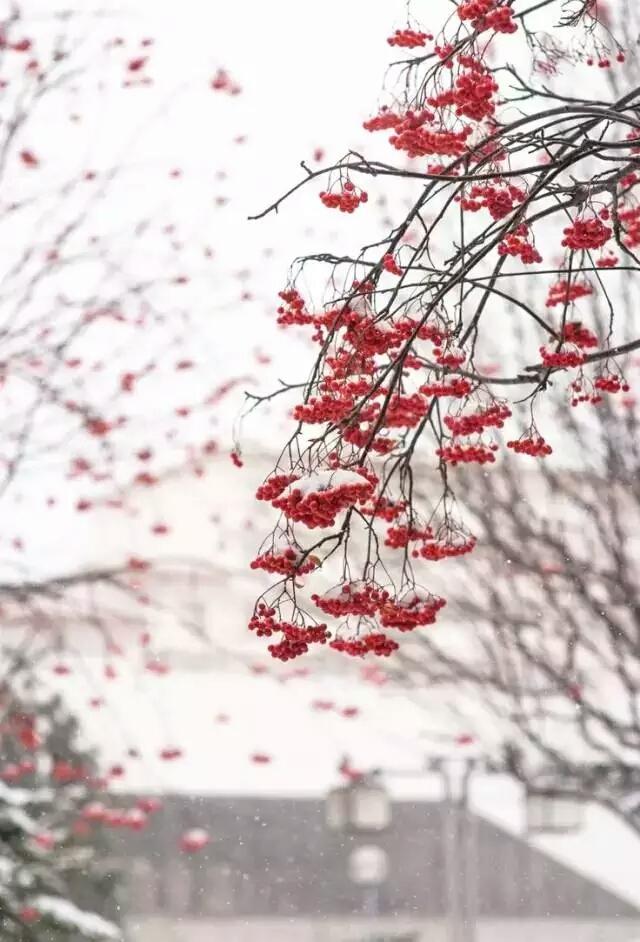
column 363, row 808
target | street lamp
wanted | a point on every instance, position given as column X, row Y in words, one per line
column 361, row 806
column 551, row 812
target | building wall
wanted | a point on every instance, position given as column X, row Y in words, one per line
column 399, row 929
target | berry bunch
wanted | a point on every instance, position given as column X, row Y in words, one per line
column 351, row 598
column 409, row 38
column 467, row 454
column 389, row 264
column 492, row 416
column 517, row 244
column 610, row 383
column 565, row 357
column 415, row 608
column 375, row 643
column 285, row 562
column 318, row 501
column 531, row 445
column 457, row 388
column 405, row 411
column 448, row 547
column 565, row 292
column 500, row 199
column 400, row 537
column 579, row 335
column 347, row 199
column 586, row 234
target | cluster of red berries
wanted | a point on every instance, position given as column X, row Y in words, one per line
column 450, row 357
column 472, row 95
column 264, row 622
column 517, row 244
column 386, row 119
column 580, row 394
column 414, row 609
column 630, row 219
column 499, row 199
column 347, row 199
column 320, row 506
column 474, row 9
column 492, row 416
column 274, row 486
column 293, row 311
column 286, row 562
column 565, row 357
column 531, row 445
column 400, row 537
column 385, row 509
column 499, row 19
column 360, row 436
column 457, row 388
column 296, row 641
column 448, row 547
column 418, row 141
column 319, row 410
column 405, row 411
column 375, row 643
column 610, row 383
column 579, row 335
column 467, row 454
column 586, row 234
column 610, row 260
column 356, row 598
column 389, row 264
column 565, row 292
column 409, row 38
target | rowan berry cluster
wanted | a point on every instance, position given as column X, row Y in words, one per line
column 295, row 641
column 447, row 547
column 531, row 445
column 565, row 292
column 324, row 409
column 318, row 502
column 630, row 219
column 399, row 537
column 517, row 244
column 579, row 335
column 347, row 199
column 493, row 416
column 467, row 454
column 374, row 643
column 500, row 199
column 274, row 486
column 389, row 264
column 565, row 356
column 472, row 95
column 449, row 356
column 415, row 608
column 456, row 388
column 586, row 234
column 418, row 141
column 351, row 598
column 405, row 411
column 610, row 383
column 385, row 509
column 285, row 562
column 409, row 38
